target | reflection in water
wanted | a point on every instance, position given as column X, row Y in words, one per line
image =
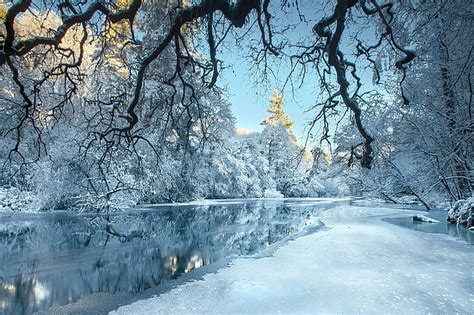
column 57, row 258
column 442, row 227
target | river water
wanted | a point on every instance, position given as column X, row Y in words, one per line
column 442, row 227
column 57, row 258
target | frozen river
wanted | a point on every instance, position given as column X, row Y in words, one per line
column 54, row 259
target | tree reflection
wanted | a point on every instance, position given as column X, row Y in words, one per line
column 61, row 258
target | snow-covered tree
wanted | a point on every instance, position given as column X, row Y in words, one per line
column 289, row 163
column 277, row 113
column 424, row 137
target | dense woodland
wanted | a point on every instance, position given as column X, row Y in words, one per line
column 109, row 104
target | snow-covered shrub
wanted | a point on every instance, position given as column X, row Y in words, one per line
column 462, row 212
column 334, row 186
column 272, row 193
column 408, row 200
column 13, row 199
column 56, row 184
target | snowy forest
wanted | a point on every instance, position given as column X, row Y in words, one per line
column 111, row 105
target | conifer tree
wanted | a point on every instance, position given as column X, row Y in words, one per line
column 278, row 115
column 3, row 11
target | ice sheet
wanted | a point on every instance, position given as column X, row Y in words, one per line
column 360, row 265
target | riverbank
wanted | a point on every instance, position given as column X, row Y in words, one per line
column 359, row 264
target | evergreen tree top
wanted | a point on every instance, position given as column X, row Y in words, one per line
column 278, row 115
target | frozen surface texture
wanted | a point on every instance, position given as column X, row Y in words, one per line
column 361, row 264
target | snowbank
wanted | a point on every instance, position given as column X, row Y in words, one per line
column 359, row 265
column 424, row 218
column 462, row 212
column 272, row 193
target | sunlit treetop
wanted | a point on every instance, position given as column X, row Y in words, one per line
column 278, row 115
column 3, row 11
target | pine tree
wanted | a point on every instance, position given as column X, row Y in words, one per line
column 3, row 11
column 278, row 115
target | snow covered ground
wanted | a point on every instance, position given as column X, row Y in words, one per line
column 358, row 264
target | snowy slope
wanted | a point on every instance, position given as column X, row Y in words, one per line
column 361, row 264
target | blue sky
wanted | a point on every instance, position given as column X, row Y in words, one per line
column 250, row 101
column 249, row 91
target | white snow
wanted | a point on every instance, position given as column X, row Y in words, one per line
column 13, row 199
column 272, row 193
column 360, row 264
column 424, row 218
column 302, row 202
column 462, row 212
